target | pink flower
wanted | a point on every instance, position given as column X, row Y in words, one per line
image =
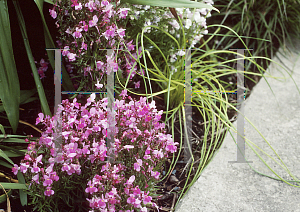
column 147, row 200
column 123, row 12
column 84, row 46
column 91, row 189
column 137, row 203
column 108, row 10
column 99, row 65
column 23, row 167
column 85, row 26
column 15, row 169
column 78, row 6
column 137, row 166
column 104, row 3
column 137, row 84
column 121, row 32
column 123, row 93
column 130, row 46
column 65, row 51
column 40, row 118
column 35, row 169
column 91, row 5
column 48, row 181
column 71, row 56
column 65, row 167
column 74, row 3
column 48, row 191
column 35, row 178
column 101, row 203
column 94, row 21
column 109, row 33
column 131, row 180
column 54, row 176
column 53, row 13
column 77, row 33
column 155, row 175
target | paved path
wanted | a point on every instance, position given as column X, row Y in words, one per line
column 236, row 187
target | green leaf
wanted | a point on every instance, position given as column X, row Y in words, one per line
column 23, row 195
column 2, row 129
column 14, row 186
column 173, row 3
column 11, row 154
column 39, row 85
column 2, row 154
column 9, row 81
column 14, row 140
column 25, row 97
column 3, row 163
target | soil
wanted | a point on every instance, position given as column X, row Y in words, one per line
column 169, row 189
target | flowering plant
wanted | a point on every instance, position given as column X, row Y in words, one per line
column 77, row 165
column 86, row 27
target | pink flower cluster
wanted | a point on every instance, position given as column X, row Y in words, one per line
column 88, row 25
column 140, row 143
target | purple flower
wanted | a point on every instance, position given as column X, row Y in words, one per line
column 137, row 166
column 48, row 181
column 99, row 65
column 40, row 118
column 53, row 13
column 91, row 5
column 65, row 51
column 71, row 56
column 77, row 33
column 48, row 191
column 109, row 33
column 155, row 175
column 137, row 84
column 123, row 12
column 23, row 167
column 84, row 46
column 91, row 189
column 108, row 10
column 94, row 21
column 147, row 200
column 130, row 46
column 35, row 178
column 35, row 169
column 15, row 169
column 121, row 32
column 104, row 3
column 54, row 176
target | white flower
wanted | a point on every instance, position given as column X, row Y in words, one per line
column 181, row 53
column 175, row 24
column 203, row 11
column 180, row 10
column 188, row 23
column 98, row 85
column 205, row 32
column 173, row 58
column 147, row 7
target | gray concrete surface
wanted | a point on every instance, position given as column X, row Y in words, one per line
column 234, row 187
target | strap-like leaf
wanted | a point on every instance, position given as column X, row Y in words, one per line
column 173, row 3
column 9, row 81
